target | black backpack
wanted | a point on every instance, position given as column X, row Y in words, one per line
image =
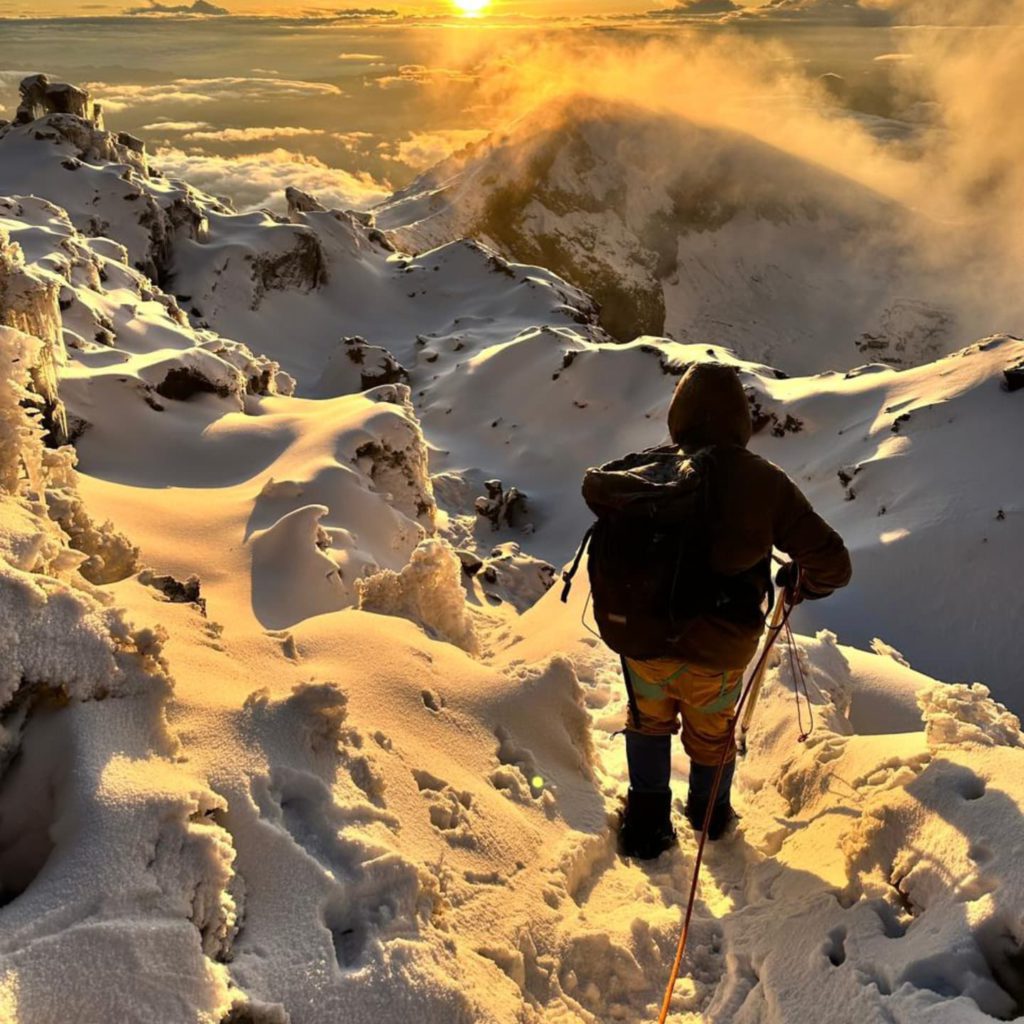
column 649, row 567
column 648, row 549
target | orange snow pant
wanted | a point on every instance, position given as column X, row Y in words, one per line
column 664, row 691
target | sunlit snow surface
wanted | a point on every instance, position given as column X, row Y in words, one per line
column 317, row 812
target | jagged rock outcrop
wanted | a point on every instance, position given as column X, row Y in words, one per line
column 40, row 96
column 501, row 507
column 65, row 114
column 301, row 266
column 301, row 202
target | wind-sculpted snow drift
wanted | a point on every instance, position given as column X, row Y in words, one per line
column 382, row 781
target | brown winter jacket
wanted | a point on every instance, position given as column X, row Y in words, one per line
column 754, row 507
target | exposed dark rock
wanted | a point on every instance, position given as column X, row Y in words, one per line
column 302, row 266
column 501, row 265
column 176, row 591
column 500, row 507
column 378, row 237
column 250, row 1011
column 790, row 425
column 762, row 417
column 77, row 426
column 758, row 417
column 1014, row 377
column 184, row 382
column 261, row 382
column 132, row 142
column 181, row 219
column 669, row 368
column 377, row 365
column 846, row 475
column 471, row 563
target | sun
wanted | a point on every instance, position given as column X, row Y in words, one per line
column 471, row 8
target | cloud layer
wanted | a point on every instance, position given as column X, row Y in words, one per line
column 201, row 91
column 258, row 180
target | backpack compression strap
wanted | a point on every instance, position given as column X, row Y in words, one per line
column 567, row 576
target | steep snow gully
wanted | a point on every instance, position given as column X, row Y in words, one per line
column 293, row 727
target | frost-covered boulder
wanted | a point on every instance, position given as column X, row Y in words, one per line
column 110, row 555
column 509, row 574
column 428, row 591
column 58, row 634
column 29, row 303
column 396, row 458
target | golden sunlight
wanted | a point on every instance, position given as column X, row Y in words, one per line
column 471, row 8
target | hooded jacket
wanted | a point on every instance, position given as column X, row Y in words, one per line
column 754, row 507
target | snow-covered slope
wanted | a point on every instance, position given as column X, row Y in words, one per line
column 695, row 232
column 271, row 751
column 296, row 289
column 912, row 467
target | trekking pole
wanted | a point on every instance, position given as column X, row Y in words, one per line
column 757, row 680
column 780, row 617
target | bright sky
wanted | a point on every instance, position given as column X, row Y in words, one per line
column 477, row 8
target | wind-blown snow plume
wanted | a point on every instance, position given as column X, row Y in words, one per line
column 954, row 165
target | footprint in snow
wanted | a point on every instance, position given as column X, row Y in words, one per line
column 431, row 701
column 376, row 893
column 450, row 811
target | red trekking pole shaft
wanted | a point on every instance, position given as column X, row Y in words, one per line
column 774, row 632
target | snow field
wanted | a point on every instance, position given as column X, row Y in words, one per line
column 358, row 783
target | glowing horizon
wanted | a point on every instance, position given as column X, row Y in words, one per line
column 471, row 8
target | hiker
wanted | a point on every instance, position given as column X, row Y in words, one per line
column 681, row 577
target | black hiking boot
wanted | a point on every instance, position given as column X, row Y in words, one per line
column 723, row 817
column 646, row 831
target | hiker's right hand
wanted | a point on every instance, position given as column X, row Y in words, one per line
column 788, row 578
